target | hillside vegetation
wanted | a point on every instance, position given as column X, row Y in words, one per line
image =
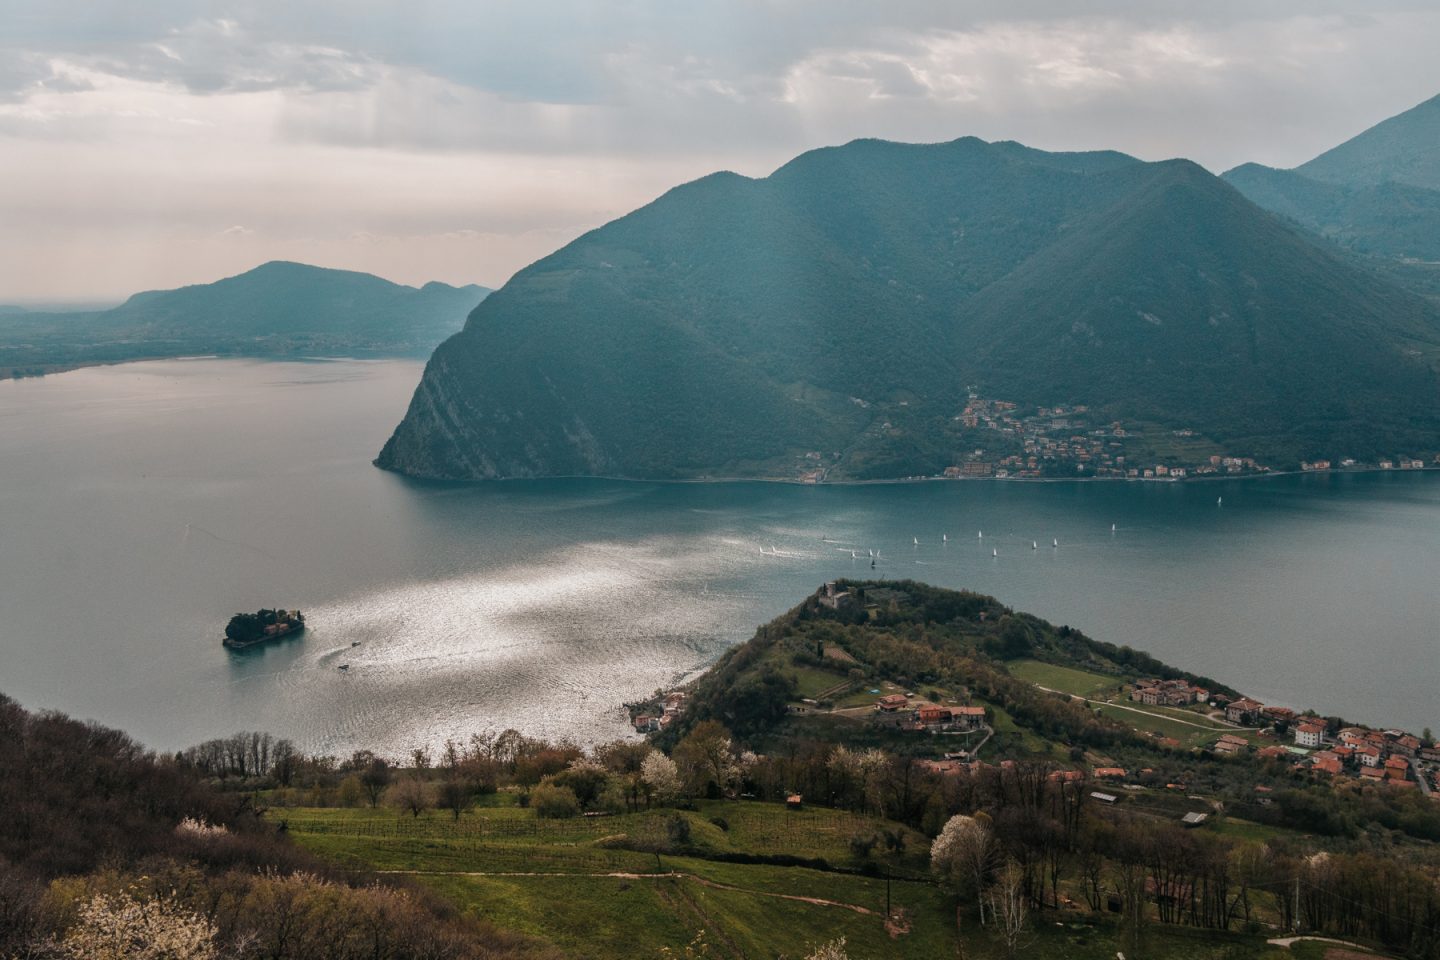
column 108, row 851
column 847, row 306
column 277, row 309
column 1377, row 195
column 777, row 814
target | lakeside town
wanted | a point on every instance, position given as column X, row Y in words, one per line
column 1006, row 440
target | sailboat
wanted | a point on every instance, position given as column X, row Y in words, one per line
column 995, row 553
column 944, row 538
column 981, row 535
column 915, row 540
column 1034, row 544
column 1219, row 501
column 1055, row 542
column 1112, row 528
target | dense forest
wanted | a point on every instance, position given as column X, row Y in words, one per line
column 736, row 324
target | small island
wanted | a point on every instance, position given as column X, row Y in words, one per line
column 248, row 629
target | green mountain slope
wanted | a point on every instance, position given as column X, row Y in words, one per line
column 845, row 305
column 1387, row 220
column 278, row 308
column 1219, row 316
column 1402, row 149
column 1377, row 195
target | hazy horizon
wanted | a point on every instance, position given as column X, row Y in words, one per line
column 183, row 142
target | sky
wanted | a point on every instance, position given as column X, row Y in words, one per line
column 147, row 145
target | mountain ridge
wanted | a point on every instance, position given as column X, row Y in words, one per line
column 846, row 304
column 280, row 308
column 1377, row 196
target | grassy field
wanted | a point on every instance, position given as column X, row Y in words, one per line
column 1065, row 679
column 1142, row 719
column 1167, row 721
column 811, row 682
column 569, row 882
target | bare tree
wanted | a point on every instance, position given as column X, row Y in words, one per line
column 375, row 777
column 454, row 795
column 412, row 794
column 1009, row 905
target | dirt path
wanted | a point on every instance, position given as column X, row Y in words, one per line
column 620, row 875
column 1287, row 941
column 1154, row 716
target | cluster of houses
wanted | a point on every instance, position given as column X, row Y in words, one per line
column 1060, row 441
column 1399, row 463
column 1393, row 756
column 899, row 711
column 660, row 713
column 1168, row 693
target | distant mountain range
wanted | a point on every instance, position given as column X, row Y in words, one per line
column 277, row 309
column 1377, row 194
column 834, row 319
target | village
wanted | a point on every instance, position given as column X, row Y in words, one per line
column 1065, row 441
column 1325, row 748
column 1268, row 733
column 1309, row 743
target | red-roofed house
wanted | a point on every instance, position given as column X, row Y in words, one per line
column 1308, row 734
column 968, row 717
column 1243, row 710
column 930, row 713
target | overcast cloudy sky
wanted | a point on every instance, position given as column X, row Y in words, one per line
column 153, row 144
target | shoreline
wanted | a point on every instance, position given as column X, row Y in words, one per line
column 898, row 481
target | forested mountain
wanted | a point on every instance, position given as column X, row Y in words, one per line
column 1402, row 149
column 276, row 309
column 1377, row 194
column 842, row 310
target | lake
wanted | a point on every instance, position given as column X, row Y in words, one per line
column 141, row 505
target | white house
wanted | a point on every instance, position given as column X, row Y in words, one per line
column 1308, row 734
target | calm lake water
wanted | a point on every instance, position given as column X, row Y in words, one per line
column 143, row 504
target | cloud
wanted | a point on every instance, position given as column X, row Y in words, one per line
column 468, row 137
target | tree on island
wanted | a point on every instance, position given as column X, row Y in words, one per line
column 249, row 627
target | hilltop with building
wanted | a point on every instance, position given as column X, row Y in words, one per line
column 958, row 682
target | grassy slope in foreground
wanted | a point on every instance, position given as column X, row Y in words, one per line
column 558, row 881
column 597, row 887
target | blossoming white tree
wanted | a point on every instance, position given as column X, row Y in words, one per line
column 964, row 853
column 120, row 927
column 661, row 777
